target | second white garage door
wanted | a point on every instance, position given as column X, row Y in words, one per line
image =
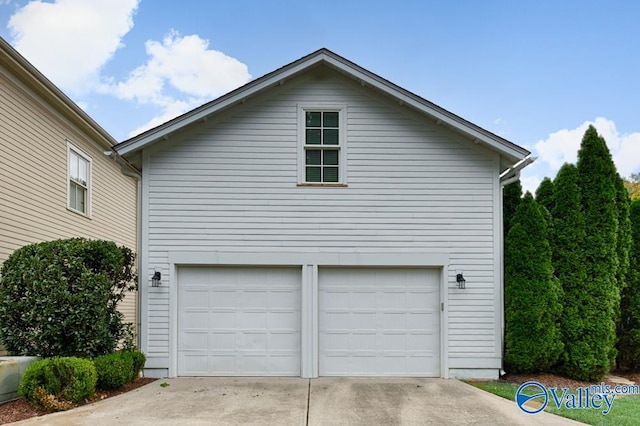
column 238, row 321
column 379, row 322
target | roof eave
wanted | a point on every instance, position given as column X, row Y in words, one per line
column 30, row 75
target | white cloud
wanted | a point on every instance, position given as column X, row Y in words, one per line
column 530, row 182
column 170, row 109
column 71, row 40
column 185, row 63
column 182, row 64
column 562, row 146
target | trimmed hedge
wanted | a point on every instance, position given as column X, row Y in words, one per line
column 60, row 298
column 56, row 384
column 114, row 370
column 119, row 368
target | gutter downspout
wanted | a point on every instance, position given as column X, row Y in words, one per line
column 510, row 175
column 128, row 170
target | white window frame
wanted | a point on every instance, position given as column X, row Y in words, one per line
column 71, row 148
column 342, row 142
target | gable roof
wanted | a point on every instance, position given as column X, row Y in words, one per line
column 29, row 75
column 508, row 150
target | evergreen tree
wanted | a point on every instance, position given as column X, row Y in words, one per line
column 597, row 177
column 532, row 294
column 544, row 194
column 511, row 198
column 623, row 239
column 629, row 327
column 567, row 248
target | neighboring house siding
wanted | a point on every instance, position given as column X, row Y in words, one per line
column 33, row 180
column 230, row 184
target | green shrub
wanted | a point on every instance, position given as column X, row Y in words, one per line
column 138, row 362
column 60, row 298
column 114, row 370
column 55, row 384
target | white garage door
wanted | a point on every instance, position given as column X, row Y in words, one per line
column 238, row 321
column 379, row 322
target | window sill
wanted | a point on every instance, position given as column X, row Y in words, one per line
column 329, row 185
column 79, row 213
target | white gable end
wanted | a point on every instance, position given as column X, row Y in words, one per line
column 226, row 192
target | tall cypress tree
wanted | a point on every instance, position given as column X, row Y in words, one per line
column 568, row 236
column 597, row 175
column 511, row 198
column 532, row 294
column 623, row 238
column 629, row 326
column 544, row 194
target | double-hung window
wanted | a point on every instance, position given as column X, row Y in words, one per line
column 323, row 146
column 79, row 181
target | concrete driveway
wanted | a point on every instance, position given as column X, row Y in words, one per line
column 295, row 401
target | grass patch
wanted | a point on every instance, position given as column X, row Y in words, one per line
column 625, row 410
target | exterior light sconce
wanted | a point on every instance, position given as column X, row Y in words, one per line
column 461, row 281
column 155, row 280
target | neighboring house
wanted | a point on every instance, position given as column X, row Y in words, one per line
column 313, row 223
column 55, row 179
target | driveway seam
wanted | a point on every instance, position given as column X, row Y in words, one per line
column 308, row 401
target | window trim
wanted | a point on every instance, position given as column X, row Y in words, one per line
column 88, row 204
column 342, row 142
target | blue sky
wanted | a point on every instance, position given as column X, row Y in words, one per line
column 536, row 72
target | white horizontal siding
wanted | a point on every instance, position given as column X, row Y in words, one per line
column 231, row 185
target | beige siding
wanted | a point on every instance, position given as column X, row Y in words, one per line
column 230, row 184
column 33, row 180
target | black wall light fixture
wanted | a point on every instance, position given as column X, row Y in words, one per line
column 155, row 280
column 461, row 281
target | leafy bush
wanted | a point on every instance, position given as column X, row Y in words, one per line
column 56, row 384
column 114, row 370
column 532, row 294
column 138, row 362
column 60, row 298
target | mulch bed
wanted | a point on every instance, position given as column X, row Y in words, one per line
column 552, row 381
column 19, row 409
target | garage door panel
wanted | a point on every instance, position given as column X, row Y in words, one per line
column 197, row 341
column 197, row 298
column 253, row 299
column 221, row 299
column 196, row 320
column 379, row 321
column 238, row 321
